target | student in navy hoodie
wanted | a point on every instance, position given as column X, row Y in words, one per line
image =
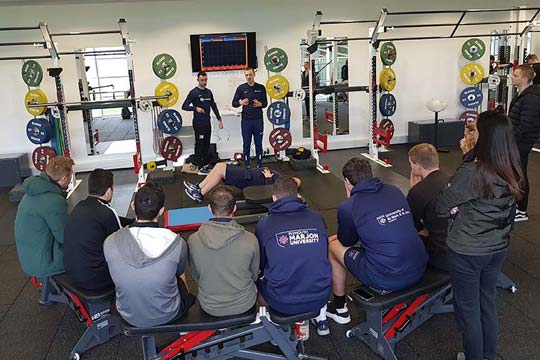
column 295, row 271
column 252, row 97
column 391, row 255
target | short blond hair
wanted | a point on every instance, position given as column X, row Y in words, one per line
column 426, row 155
column 526, row 71
column 59, row 167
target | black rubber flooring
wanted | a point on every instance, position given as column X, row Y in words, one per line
column 31, row 331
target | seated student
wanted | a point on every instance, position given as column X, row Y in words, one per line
column 391, row 256
column 87, row 227
column 224, row 259
column 42, row 213
column 146, row 262
column 232, row 175
column 295, row 271
column 427, row 181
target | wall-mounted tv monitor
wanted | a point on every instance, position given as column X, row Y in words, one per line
column 222, row 52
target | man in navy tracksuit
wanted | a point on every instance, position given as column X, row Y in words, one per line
column 391, row 256
column 295, row 271
column 252, row 97
column 199, row 100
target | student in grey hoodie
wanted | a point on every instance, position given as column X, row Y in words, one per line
column 146, row 262
column 224, row 259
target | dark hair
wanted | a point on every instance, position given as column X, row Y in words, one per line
column 222, row 201
column 201, row 73
column 149, row 199
column 357, row 170
column 285, row 186
column 497, row 155
column 99, row 181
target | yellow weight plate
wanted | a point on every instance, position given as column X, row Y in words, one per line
column 151, row 166
column 35, row 97
column 167, row 88
column 387, row 79
column 472, row 73
column 277, row 87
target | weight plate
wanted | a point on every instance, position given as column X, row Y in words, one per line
column 41, row 157
column 32, row 73
column 387, row 124
column 55, row 112
column 387, row 79
column 167, row 88
column 493, row 81
column 472, row 73
column 151, row 166
column 145, row 105
column 388, row 53
column 387, row 104
column 35, row 96
column 164, row 66
column 280, row 139
column 171, row 148
column 278, row 113
column 471, row 97
column 473, row 49
column 169, row 121
column 39, row 131
column 299, row 94
column 275, row 60
column 468, row 116
column 277, row 87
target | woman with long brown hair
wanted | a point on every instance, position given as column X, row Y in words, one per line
column 481, row 203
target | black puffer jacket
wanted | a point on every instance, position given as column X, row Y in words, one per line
column 525, row 115
column 481, row 226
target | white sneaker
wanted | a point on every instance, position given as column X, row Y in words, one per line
column 341, row 316
column 521, row 216
column 321, row 323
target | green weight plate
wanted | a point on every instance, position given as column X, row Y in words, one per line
column 473, row 49
column 275, row 60
column 32, row 73
column 388, row 53
column 164, row 66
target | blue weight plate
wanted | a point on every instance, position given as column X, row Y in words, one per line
column 39, row 131
column 471, row 97
column 169, row 121
column 387, row 104
column 278, row 113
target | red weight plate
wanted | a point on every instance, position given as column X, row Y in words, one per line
column 468, row 116
column 171, row 148
column 41, row 156
column 280, row 139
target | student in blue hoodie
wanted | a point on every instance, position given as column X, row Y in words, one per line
column 295, row 271
column 252, row 97
column 391, row 256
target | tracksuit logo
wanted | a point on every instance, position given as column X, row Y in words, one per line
column 297, row 237
column 392, row 216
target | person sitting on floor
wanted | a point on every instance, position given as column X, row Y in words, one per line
column 391, row 256
column 224, row 259
column 427, row 181
column 87, row 227
column 42, row 213
column 295, row 271
column 232, row 175
column 146, row 262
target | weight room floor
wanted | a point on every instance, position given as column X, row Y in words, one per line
column 30, row 331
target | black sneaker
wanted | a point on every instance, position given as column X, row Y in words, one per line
column 521, row 216
column 194, row 195
column 341, row 316
column 191, row 186
column 205, row 170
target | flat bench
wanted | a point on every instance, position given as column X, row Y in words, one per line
column 391, row 317
column 210, row 337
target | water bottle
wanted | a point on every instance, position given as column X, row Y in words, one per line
column 302, row 330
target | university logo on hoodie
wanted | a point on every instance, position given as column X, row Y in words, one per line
column 297, row 237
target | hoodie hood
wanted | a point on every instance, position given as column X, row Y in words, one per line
column 372, row 185
column 287, row 205
column 40, row 184
column 217, row 234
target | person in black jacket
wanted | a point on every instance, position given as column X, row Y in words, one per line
column 480, row 202
column 252, row 97
column 525, row 115
column 87, row 227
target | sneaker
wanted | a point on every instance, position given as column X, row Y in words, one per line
column 321, row 323
column 460, row 356
column 341, row 316
column 521, row 216
column 205, row 170
column 191, row 186
column 194, row 195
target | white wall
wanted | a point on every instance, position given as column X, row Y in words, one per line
column 424, row 69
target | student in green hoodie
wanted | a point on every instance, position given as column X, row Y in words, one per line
column 42, row 213
column 224, row 259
